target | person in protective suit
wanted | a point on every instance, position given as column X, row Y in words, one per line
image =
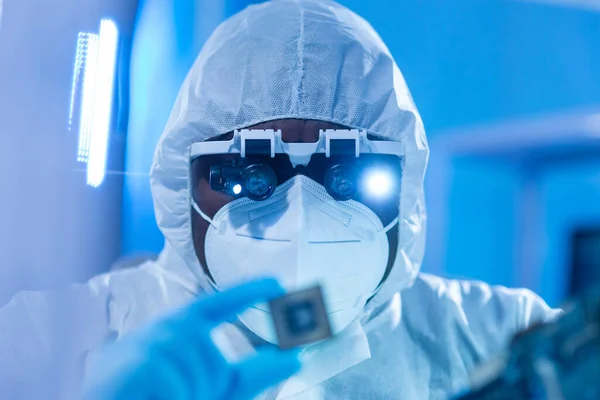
column 301, row 72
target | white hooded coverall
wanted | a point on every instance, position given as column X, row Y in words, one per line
column 418, row 338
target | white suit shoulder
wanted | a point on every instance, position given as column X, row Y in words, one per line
column 485, row 316
column 138, row 295
column 42, row 331
column 44, row 336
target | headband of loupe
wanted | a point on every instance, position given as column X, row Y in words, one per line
column 254, row 178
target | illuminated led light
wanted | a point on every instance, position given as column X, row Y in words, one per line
column 92, row 94
column 78, row 68
column 84, row 77
column 102, row 105
column 379, row 183
column 87, row 98
column 237, row 189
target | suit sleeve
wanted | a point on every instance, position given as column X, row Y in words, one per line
column 44, row 336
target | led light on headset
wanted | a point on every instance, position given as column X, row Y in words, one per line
column 378, row 182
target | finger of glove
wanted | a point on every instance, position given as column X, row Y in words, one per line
column 224, row 306
column 266, row 369
column 192, row 354
column 148, row 376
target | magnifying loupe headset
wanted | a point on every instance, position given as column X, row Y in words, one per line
column 345, row 161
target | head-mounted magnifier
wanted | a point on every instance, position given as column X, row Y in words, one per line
column 248, row 176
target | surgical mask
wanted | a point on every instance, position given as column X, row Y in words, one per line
column 301, row 236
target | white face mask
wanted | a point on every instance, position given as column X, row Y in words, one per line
column 300, row 236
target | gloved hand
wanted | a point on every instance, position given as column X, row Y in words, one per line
column 176, row 359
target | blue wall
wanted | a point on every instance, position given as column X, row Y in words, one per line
column 483, row 208
column 54, row 228
column 470, row 61
column 570, row 196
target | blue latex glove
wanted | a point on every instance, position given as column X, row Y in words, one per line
column 176, row 358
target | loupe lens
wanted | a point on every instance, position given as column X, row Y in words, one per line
column 259, row 182
column 215, row 178
column 340, row 182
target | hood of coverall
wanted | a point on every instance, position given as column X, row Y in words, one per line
column 304, row 59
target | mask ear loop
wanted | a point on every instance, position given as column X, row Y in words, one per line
column 212, row 223
column 384, row 230
column 389, row 226
column 205, row 217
